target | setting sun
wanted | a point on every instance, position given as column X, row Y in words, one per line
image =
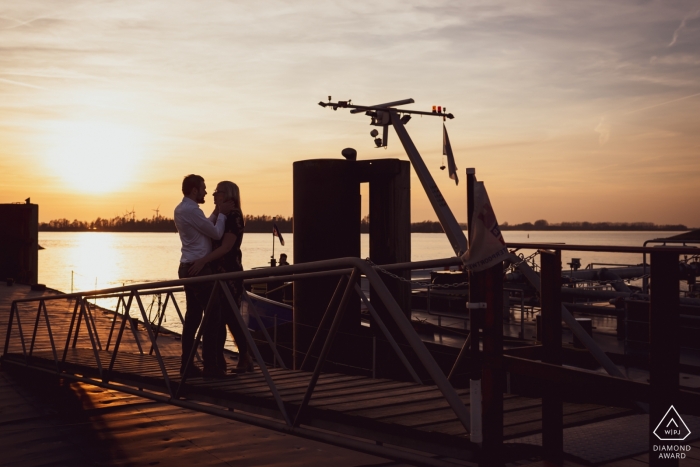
column 93, row 157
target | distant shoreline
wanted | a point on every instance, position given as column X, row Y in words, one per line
column 263, row 224
column 543, row 225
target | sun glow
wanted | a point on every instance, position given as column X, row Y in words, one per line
column 94, row 157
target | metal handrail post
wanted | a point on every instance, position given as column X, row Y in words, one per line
column 93, row 323
column 9, row 328
column 117, row 343
column 177, row 308
column 98, row 360
column 388, row 336
column 160, row 320
column 114, row 322
column 342, row 283
column 327, row 344
column 70, row 331
column 53, row 344
column 21, row 337
column 134, row 328
column 275, row 355
column 36, row 327
column 418, row 346
column 80, row 320
column 154, row 344
column 256, row 351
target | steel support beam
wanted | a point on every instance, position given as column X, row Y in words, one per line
column 552, row 402
column 664, row 346
column 447, row 219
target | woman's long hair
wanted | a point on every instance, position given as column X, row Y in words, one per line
column 231, row 192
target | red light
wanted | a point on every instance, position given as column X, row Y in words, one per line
column 439, row 109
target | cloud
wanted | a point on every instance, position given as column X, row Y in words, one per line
column 603, row 130
column 663, row 103
column 682, row 26
column 19, row 83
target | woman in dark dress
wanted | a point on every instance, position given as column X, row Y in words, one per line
column 226, row 257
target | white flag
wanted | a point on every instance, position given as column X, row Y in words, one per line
column 487, row 246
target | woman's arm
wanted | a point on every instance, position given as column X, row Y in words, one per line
column 224, row 209
column 227, row 243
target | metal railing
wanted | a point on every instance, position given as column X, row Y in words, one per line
column 130, row 297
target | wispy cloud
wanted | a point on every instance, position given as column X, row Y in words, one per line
column 682, row 26
column 663, row 103
column 16, row 23
column 19, row 83
column 603, row 130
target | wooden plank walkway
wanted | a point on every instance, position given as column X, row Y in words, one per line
column 391, row 412
column 52, row 422
column 398, row 409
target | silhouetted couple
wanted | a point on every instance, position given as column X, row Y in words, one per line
column 211, row 246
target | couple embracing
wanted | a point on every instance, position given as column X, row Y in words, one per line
column 210, row 246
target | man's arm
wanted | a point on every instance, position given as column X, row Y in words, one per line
column 227, row 243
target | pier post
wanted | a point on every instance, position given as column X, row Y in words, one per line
column 552, row 402
column 487, row 375
column 664, row 346
column 492, row 377
column 19, row 242
column 389, row 242
column 326, row 226
column 476, row 287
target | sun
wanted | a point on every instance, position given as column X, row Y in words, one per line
column 93, row 156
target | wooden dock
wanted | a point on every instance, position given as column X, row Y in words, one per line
column 47, row 421
column 404, row 415
column 395, row 412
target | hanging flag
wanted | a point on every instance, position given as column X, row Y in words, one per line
column 487, row 246
column 276, row 233
column 447, row 151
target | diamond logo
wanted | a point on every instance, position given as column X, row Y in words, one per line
column 672, row 427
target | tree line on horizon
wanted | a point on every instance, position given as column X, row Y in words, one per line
column 126, row 223
column 263, row 224
column 542, row 224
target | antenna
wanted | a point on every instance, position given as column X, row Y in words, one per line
column 381, row 115
column 386, row 114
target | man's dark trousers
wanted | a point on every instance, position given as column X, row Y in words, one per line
column 197, row 296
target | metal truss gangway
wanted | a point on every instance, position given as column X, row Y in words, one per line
column 340, row 409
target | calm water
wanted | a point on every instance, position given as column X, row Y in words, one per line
column 89, row 260
column 104, row 259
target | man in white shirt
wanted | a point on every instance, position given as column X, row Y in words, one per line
column 196, row 232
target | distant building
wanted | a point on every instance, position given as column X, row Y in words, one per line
column 19, row 242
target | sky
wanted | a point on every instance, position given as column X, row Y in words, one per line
column 568, row 111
